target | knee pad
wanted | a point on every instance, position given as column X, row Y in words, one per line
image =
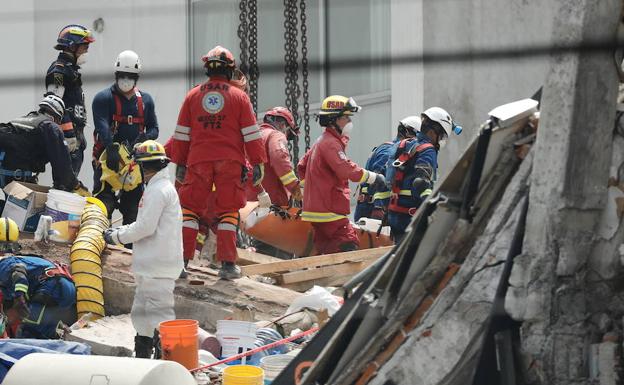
column 229, row 221
column 190, row 219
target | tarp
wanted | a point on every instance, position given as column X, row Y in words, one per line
column 11, row 350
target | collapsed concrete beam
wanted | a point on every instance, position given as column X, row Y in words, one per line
column 444, row 348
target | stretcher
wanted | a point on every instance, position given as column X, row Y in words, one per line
column 284, row 229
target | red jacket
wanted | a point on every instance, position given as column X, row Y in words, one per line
column 217, row 122
column 326, row 171
column 279, row 177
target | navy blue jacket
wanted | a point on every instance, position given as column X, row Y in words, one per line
column 104, row 109
column 64, row 72
column 46, row 145
column 379, row 196
column 408, row 197
column 58, row 289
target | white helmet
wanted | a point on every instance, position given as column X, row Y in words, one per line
column 412, row 122
column 128, row 61
column 54, row 105
column 442, row 117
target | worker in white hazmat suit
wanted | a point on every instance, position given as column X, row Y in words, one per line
column 157, row 253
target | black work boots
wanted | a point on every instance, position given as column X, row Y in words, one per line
column 143, row 346
column 229, row 271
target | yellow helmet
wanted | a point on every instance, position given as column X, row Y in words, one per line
column 9, row 232
column 337, row 105
column 149, row 150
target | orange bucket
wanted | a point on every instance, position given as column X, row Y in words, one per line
column 178, row 339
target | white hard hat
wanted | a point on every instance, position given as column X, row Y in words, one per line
column 128, row 61
column 53, row 104
column 412, row 122
column 442, row 117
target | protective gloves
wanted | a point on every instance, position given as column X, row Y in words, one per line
column 379, row 180
column 297, row 194
column 81, row 190
column 112, row 157
column 264, row 200
column 72, row 144
column 142, row 137
column 180, row 173
column 258, row 174
column 109, row 236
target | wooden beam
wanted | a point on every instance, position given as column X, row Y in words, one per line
column 248, row 257
column 327, row 281
column 319, row 260
column 325, row 271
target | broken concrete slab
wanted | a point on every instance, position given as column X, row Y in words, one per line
column 108, row 336
column 209, row 302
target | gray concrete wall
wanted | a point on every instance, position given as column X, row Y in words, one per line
column 469, row 89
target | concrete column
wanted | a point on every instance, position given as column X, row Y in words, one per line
column 568, row 192
column 407, row 80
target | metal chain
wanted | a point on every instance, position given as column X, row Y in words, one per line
column 304, row 73
column 254, row 72
column 292, row 89
column 243, row 34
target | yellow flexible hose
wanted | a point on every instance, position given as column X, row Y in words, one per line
column 86, row 265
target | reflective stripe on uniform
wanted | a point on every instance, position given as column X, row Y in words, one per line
column 190, row 219
column 288, row 178
column 310, row 216
column 21, row 287
column 426, row 192
column 253, row 136
column 365, row 175
column 183, row 129
column 226, row 227
column 382, row 195
column 364, row 190
column 407, row 193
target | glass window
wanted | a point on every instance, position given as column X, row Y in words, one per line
column 358, row 32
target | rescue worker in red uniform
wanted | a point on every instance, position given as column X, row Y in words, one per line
column 280, row 181
column 216, row 129
column 325, row 172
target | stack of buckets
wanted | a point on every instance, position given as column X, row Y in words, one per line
column 65, row 209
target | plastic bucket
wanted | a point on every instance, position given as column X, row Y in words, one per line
column 243, row 375
column 178, row 339
column 235, row 336
column 65, row 209
column 273, row 366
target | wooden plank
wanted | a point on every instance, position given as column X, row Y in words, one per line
column 316, row 261
column 325, row 271
column 327, row 281
column 248, row 257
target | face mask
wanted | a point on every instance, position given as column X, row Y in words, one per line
column 346, row 130
column 82, row 59
column 442, row 142
column 125, row 84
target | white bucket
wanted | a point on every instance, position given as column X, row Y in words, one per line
column 65, row 209
column 273, row 365
column 235, row 336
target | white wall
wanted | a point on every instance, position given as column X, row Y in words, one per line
column 156, row 30
column 17, row 67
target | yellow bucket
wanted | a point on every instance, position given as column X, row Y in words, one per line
column 243, row 375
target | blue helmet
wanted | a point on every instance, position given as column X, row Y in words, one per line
column 72, row 35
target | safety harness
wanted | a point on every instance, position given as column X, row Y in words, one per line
column 401, row 158
column 118, row 119
column 58, row 270
column 15, row 174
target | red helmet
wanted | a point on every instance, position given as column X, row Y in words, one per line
column 283, row 112
column 218, row 57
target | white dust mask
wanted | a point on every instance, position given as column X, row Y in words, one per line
column 125, row 84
